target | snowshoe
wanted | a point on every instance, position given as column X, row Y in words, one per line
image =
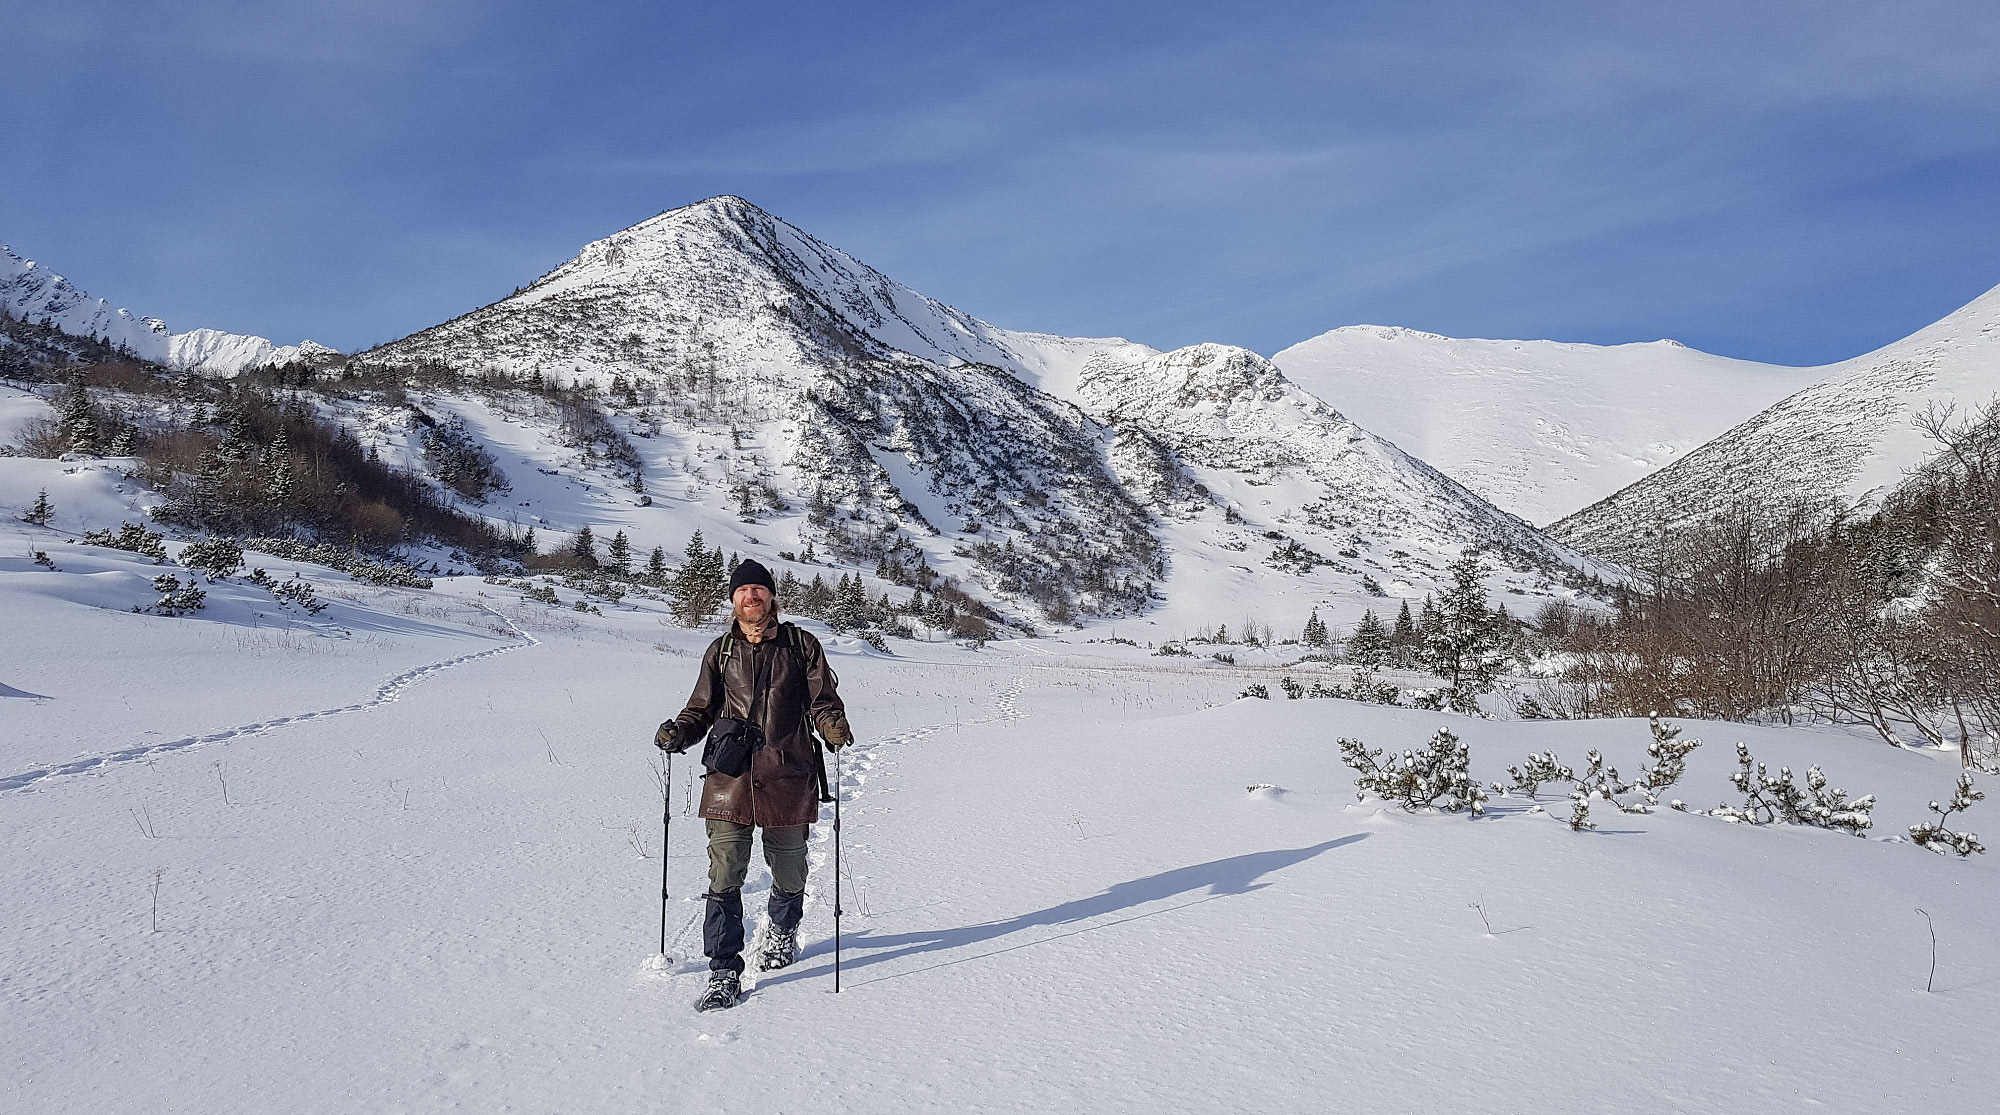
column 780, row 949
column 723, row 991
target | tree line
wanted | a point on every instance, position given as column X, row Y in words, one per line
column 1889, row 619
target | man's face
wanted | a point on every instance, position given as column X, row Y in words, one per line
column 752, row 603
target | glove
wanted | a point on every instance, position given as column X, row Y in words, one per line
column 670, row 738
column 837, row 733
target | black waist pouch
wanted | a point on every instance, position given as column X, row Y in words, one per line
column 731, row 742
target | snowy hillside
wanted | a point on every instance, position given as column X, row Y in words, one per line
column 32, row 293
column 405, row 854
column 1540, row 428
column 949, row 443
column 724, row 288
column 1841, row 442
column 1302, row 490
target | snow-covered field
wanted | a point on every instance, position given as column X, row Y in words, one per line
column 434, row 891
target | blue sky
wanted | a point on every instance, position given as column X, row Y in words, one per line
column 1795, row 182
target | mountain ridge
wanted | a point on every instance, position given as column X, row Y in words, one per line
column 32, row 293
column 1836, row 446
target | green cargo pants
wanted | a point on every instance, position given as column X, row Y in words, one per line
column 729, row 856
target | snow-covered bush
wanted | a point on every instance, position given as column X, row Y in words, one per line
column 214, row 558
column 175, row 599
column 138, row 540
column 1256, row 690
column 1935, row 836
column 295, row 591
column 346, row 560
column 1529, row 776
column 457, row 458
column 1361, row 686
column 1293, row 690
column 1600, row 782
column 1669, row 753
column 1769, row 799
column 1446, row 698
column 1438, row 777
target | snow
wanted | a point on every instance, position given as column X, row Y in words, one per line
column 31, row 292
column 414, row 867
column 1842, row 442
column 1540, row 428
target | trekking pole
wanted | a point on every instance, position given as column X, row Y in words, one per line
column 837, row 790
column 666, row 838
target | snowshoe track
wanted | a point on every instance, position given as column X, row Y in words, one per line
column 387, row 692
column 856, row 766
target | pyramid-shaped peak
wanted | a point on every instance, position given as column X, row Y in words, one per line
column 723, row 209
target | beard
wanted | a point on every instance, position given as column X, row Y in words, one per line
column 754, row 616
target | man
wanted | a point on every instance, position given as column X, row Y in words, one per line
column 763, row 685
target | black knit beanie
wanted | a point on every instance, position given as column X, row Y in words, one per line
column 750, row 572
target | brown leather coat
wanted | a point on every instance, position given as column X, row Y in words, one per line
column 784, row 680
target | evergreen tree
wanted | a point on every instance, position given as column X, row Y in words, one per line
column 1369, row 645
column 75, row 423
column 939, row 614
column 698, row 585
column 620, row 554
column 849, row 609
column 42, row 511
column 1404, row 640
column 1462, row 643
column 656, row 566
column 236, row 446
column 278, row 482
column 816, row 599
column 1314, row 634
column 584, row 547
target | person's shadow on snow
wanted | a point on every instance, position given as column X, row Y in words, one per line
column 1219, row 879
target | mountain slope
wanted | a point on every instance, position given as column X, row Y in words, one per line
column 722, row 285
column 1347, row 513
column 33, row 294
column 920, row 435
column 849, row 413
column 1837, row 444
column 1540, row 428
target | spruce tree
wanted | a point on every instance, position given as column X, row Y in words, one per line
column 1369, row 645
column 42, row 511
column 620, row 554
column 1314, row 634
column 1462, row 644
column 584, row 547
column 698, row 585
column 1404, row 640
column 656, row 566
column 849, row 609
column 75, row 424
column 277, row 481
column 816, row 599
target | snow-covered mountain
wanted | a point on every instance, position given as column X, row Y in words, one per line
column 1540, row 428
column 32, row 293
column 1020, row 460
column 723, row 284
column 1839, row 443
column 1317, row 495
